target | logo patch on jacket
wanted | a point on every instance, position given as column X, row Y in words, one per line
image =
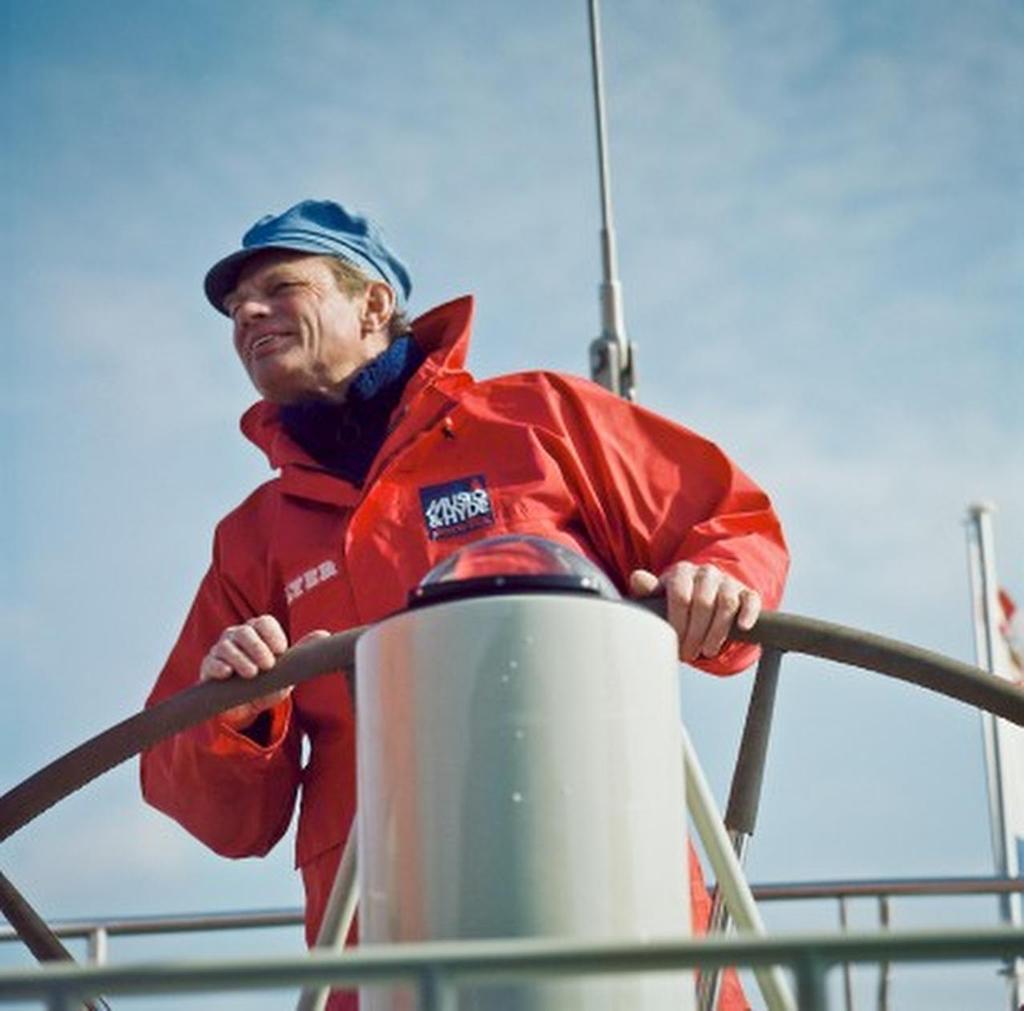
column 310, row 578
column 456, row 507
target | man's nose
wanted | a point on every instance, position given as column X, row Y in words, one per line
column 252, row 307
column 247, row 312
column 243, row 316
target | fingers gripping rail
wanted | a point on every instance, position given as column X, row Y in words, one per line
column 186, row 709
column 788, row 633
column 777, row 630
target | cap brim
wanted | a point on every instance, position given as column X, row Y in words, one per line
column 222, row 277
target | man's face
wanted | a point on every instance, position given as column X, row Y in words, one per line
column 297, row 334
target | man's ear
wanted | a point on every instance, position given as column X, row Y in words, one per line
column 378, row 307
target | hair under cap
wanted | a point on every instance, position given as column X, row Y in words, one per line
column 314, row 226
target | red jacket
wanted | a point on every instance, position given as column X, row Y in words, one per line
column 538, row 453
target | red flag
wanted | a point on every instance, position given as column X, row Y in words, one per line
column 1010, row 627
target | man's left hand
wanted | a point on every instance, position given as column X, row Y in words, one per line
column 702, row 604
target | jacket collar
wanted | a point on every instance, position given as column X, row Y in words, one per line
column 443, row 334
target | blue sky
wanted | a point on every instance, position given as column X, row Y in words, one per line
column 821, row 247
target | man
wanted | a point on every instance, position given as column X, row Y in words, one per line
column 370, row 421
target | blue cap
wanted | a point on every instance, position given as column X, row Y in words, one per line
column 313, row 226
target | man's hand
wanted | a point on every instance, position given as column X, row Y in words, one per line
column 248, row 650
column 702, row 603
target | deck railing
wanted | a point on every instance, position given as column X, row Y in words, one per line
column 437, row 970
column 98, row 931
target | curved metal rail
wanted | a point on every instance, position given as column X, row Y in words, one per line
column 774, row 630
column 792, row 633
column 789, row 633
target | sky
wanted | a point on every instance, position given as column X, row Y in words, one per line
column 821, row 243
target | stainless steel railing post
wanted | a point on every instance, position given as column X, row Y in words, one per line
column 744, row 797
column 847, row 978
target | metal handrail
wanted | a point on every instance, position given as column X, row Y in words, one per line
column 910, row 887
column 789, row 633
column 185, row 923
column 438, row 969
column 774, row 630
column 256, row 919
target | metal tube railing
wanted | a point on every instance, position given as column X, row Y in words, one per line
column 141, row 926
column 774, row 631
column 784, row 632
column 337, row 919
column 777, row 891
column 97, row 931
column 885, row 966
column 437, row 969
column 731, row 882
column 744, row 798
column 97, row 946
column 847, row 975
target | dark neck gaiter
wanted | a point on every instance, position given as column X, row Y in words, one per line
column 346, row 437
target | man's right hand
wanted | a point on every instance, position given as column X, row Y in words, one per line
column 247, row 651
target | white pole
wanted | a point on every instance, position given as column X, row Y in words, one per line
column 337, row 919
column 729, row 874
column 995, row 732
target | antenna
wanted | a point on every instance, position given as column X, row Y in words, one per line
column 612, row 356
